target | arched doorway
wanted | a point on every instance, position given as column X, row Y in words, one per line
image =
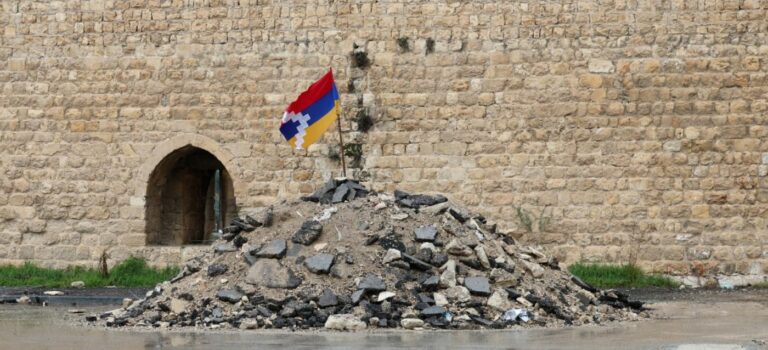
column 181, row 198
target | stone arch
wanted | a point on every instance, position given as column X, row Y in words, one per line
column 175, row 188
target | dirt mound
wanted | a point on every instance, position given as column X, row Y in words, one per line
column 348, row 259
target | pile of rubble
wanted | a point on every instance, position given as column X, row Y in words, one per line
column 348, row 259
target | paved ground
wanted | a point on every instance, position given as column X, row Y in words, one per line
column 690, row 320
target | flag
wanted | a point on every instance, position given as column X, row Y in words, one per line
column 307, row 118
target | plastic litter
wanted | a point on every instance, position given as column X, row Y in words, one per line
column 448, row 316
column 515, row 315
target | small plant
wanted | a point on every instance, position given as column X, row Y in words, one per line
column 430, row 46
column 360, row 58
column 619, row 276
column 402, row 42
column 103, row 269
column 524, row 218
column 354, row 151
column 364, row 120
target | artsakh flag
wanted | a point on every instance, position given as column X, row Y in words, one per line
column 307, row 118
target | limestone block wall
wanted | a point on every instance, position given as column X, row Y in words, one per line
column 606, row 130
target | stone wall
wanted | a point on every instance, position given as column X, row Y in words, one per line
column 606, row 130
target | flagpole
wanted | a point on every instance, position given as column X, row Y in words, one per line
column 341, row 145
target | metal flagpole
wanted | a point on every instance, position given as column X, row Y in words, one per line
column 341, row 145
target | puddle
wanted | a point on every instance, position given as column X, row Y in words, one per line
column 694, row 326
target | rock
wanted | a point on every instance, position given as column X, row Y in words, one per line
column 320, row 263
column 533, row 268
column 440, row 299
column 328, row 298
column 357, row 296
column 454, row 247
column 478, row 285
column 448, row 277
column 458, row 294
column 77, row 284
column 458, row 214
column 271, row 274
column 344, row 322
column 384, row 296
column 275, row 250
column 372, row 283
column 391, row 255
column 411, row 323
column 480, row 252
column 426, row 233
column 178, row 306
column 436, row 310
column 499, row 300
column 417, row 200
column 229, row 295
column 24, row 300
column 217, row 269
column 431, row 283
column 309, row 232
column 391, row 242
column 340, row 193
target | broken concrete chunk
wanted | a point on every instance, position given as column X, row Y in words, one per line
column 458, row 294
column 372, row 283
column 478, row 285
column 225, row 248
column 275, row 250
column 309, row 232
column 328, row 298
column 269, row 273
column 433, row 311
column 411, row 323
column 217, row 269
column 480, row 252
column 431, row 283
column 344, row 322
column 384, row 296
column 426, row 233
column 400, row 216
column 391, row 255
column 533, row 268
column 178, row 306
column 499, row 300
column 448, row 277
column 320, row 263
column 454, row 247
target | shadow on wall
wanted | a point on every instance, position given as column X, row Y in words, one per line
column 180, row 198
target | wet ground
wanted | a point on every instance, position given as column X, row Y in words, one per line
column 691, row 320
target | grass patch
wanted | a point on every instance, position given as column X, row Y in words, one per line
column 132, row 272
column 760, row 285
column 619, row 276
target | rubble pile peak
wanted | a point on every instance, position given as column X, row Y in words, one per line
column 346, row 258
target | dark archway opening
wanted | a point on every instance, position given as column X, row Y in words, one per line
column 180, row 198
